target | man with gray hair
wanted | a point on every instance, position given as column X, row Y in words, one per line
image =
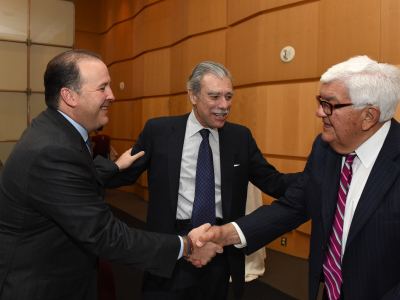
column 350, row 189
column 198, row 168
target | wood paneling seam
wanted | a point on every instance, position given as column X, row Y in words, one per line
column 267, row 11
column 131, row 18
column 169, row 46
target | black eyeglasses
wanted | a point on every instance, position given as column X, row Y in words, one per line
column 328, row 107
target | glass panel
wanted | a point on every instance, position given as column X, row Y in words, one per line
column 14, row 19
column 13, row 66
column 52, row 22
column 13, row 114
column 5, row 150
column 40, row 56
column 37, row 105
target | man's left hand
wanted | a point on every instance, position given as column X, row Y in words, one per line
column 126, row 159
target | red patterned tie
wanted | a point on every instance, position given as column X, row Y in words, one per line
column 204, row 198
column 332, row 263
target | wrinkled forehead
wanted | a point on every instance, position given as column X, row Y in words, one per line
column 210, row 82
column 334, row 91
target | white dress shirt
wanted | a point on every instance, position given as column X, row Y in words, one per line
column 362, row 166
column 187, row 180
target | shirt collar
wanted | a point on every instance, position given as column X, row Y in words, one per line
column 193, row 127
column 370, row 149
column 78, row 127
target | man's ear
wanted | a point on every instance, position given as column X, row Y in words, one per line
column 192, row 97
column 372, row 115
column 67, row 96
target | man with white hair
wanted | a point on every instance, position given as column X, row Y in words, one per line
column 350, row 188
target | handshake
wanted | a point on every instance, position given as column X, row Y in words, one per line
column 208, row 241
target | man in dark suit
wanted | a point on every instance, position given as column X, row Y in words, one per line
column 172, row 157
column 54, row 223
column 349, row 188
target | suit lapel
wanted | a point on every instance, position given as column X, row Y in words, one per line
column 381, row 178
column 176, row 139
column 227, row 161
column 74, row 138
column 330, row 190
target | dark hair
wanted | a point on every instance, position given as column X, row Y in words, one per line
column 63, row 71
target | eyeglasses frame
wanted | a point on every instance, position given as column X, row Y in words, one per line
column 331, row 105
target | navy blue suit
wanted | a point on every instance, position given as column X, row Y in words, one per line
column 371, row 261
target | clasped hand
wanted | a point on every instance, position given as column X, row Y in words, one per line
column 207, row 242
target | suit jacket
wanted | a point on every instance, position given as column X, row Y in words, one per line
column 162, row 140
column 54, row 223
column 371, row 261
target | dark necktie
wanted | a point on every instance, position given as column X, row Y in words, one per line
column 332, row 266
column 89, row 145
column 204, row 198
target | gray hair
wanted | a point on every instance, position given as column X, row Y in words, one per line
column 368, row 82
column 206, row 67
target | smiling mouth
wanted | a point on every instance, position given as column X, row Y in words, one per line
column 104, row 107
column 221, row 115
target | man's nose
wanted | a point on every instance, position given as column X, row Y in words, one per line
column 320, row 112
column 223, row 103
column 110, row 96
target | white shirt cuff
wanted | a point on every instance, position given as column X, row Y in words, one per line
column 181, row 251
column 243, row 242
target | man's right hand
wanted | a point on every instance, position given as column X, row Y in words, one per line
column 221, row 235
column 202, row 255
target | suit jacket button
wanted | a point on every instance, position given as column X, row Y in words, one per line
column 316, row 276
column 323, row 248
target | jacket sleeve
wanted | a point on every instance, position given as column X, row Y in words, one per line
column 264, row 175
column 64, row 190
column 130, row 175
column 271, row 221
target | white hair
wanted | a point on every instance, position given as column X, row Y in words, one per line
column 368, row 83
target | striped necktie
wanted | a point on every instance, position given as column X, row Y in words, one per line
column 204, row 198
column 89, row 145
column 332, row 266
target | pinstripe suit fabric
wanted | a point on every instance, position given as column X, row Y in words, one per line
column 371, row 261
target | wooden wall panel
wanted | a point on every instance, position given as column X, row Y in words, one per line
column 275, row 112
column 114, row 11
column 255, row 45
column 107, row 47
column 137, row 118
column 158, row 25
column 157, row 72
column 179, row 105
column 85, row 21
column 131, row 74
column 120, row 115
column 122, row 40
column 241, row 9
column 390, row 35
column 187, row 54
column 346, row 29
column 297, row 244
column 154, row 107
column 89, row 41
column 205, row 15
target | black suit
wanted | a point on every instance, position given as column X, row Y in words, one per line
column 162, row 140
column 54, row 223
column 371, row 261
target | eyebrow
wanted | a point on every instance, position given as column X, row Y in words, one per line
column 218, row 93
column 329, row 98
